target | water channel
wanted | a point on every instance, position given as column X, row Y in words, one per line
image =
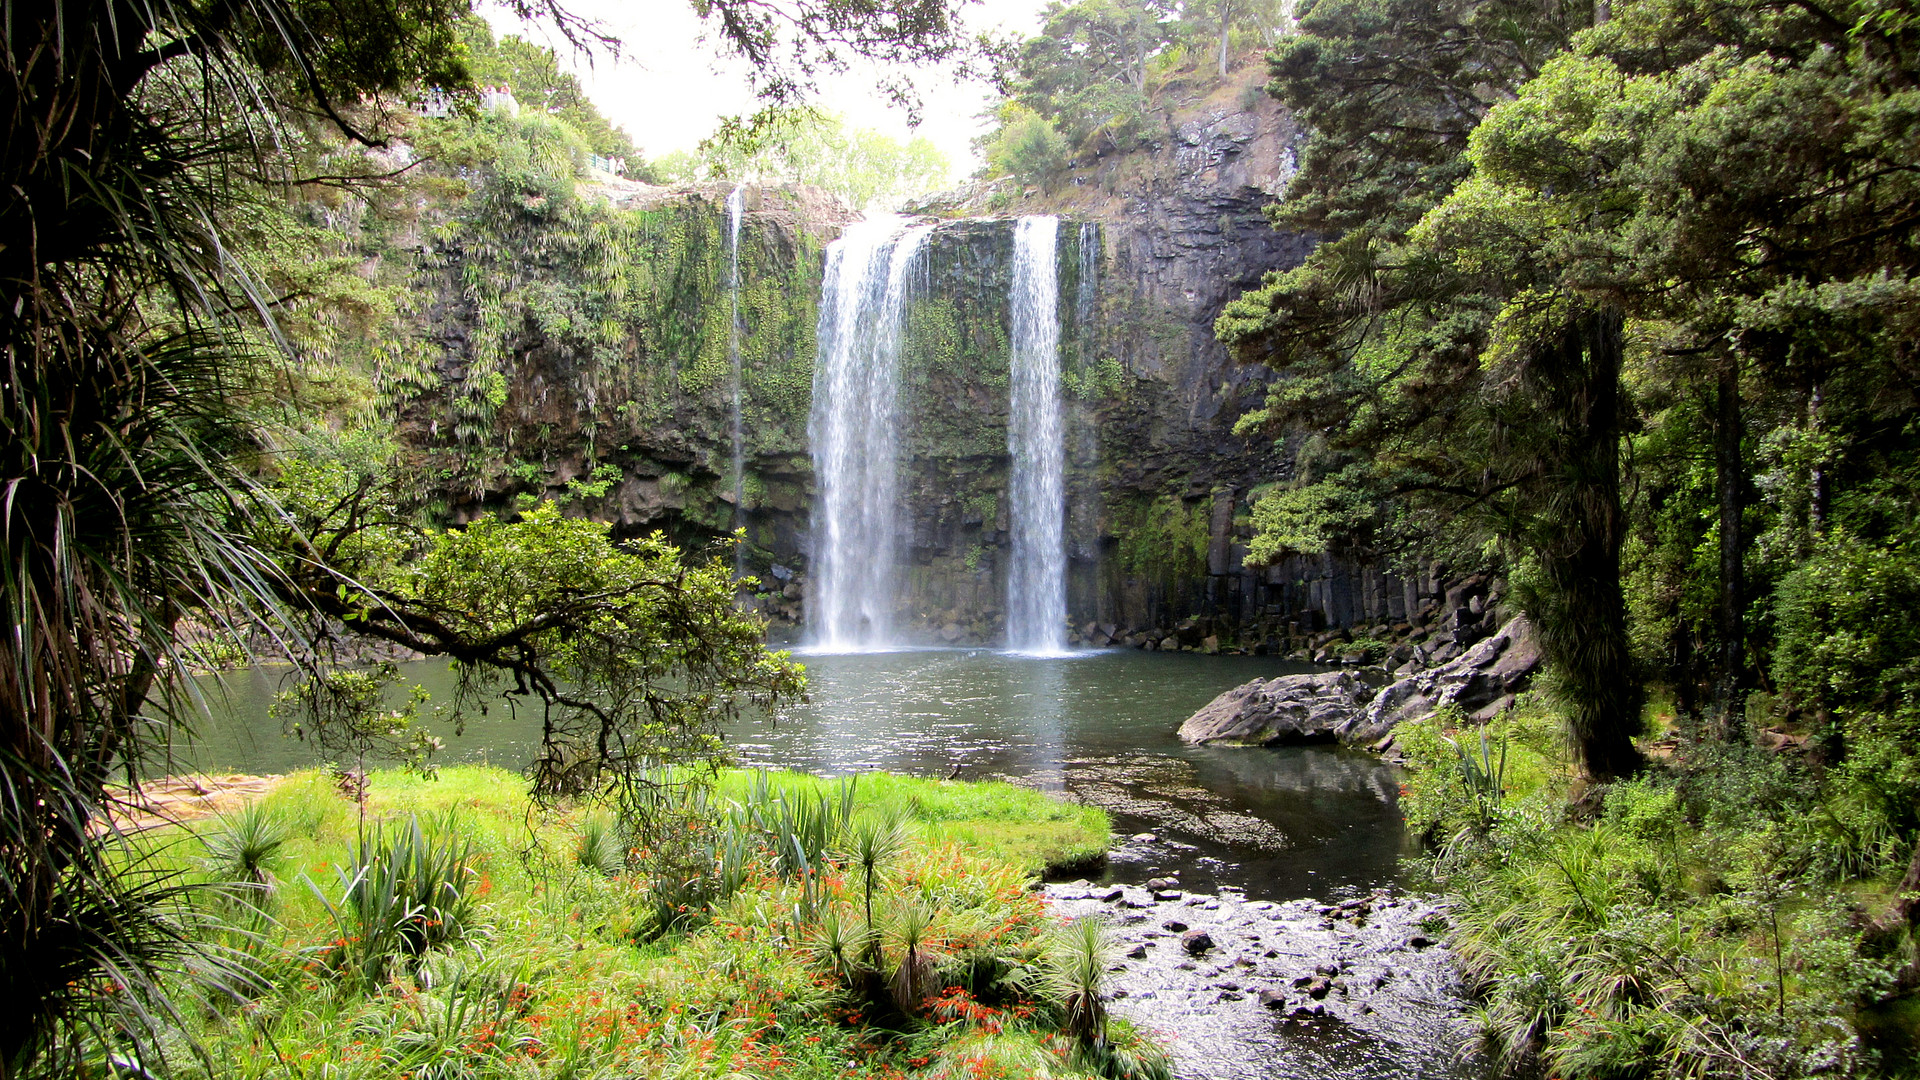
column 1281, row 824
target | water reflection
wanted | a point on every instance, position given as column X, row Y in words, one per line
column 1099, row 727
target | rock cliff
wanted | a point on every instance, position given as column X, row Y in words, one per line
column 586, row 359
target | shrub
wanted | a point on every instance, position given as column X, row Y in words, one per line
column 406, row 891
column 242, row 849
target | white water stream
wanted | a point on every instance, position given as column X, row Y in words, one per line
column 855, row 437
column 736, row 206
column 1037, row 579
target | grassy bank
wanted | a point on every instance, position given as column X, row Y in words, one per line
column 1711, row 917
column 807, row 931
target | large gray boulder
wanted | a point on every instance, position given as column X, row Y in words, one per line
column 1287, row 709
column 1480, row 682
column 1352, row 707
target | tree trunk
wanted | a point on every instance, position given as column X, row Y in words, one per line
column 1730, row 477
column 1226, row 31
column 1816, row 472
column 1579, row 608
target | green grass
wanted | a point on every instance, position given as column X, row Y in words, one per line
column 563, row 972
column 1030, row 829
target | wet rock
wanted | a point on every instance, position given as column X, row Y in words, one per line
column 1167, row 895
column 1110, row 896
column 1174, row 926
column 1344, row 976
column 1287, row 709
column 1419, row 941
column 1495, row 668
column 1353, row 707
column 1196, row 942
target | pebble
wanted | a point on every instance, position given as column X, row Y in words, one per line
column 1310, row 966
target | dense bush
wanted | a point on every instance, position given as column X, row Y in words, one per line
column 1707, row 922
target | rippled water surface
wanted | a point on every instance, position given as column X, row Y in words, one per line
column 1280, row 824
column 1308, row 821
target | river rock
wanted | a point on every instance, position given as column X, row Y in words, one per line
column 1352, row 707
column 1196, row 942
column 1287, row 709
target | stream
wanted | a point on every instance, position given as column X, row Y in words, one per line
column 1265, row 844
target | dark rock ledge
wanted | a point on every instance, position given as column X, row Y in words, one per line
column 1362, row 708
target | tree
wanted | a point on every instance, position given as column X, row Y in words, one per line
column 864, row 169
column 1086, row 72
column 533, row 73
column 134, row 133
column 1217, row 21
column 1448, row 363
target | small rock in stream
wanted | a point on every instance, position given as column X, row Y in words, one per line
column 1174, row 926
column 1196, row 942
column 1138, row 952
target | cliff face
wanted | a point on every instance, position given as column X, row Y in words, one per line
column 624, row 409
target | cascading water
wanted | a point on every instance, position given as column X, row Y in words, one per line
column 854, row 434
column 736, row 206
column 1037, row 581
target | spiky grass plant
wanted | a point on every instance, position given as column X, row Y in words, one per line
column 836, row 944
column 600, row 846
column 870, row 844
column 1077, row 958
column 916, row 976
column 242, row 850
column 407, row 890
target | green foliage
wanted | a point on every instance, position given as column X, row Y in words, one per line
column 345, row 711
column 557, row 988
column 1307, row 520
column 404, row 890
column 1026, row 146
column 1847, row 637
column 601, row 845
column 533, row 73
column 242, row 850
column 864, row 169
column 1164, row 539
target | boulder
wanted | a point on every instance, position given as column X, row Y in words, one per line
column 1351, row 706
column 1286, row 709
column 1483, row 676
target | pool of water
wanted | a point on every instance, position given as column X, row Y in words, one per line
column 1280, row 823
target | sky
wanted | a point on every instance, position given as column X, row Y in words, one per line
column 669, row 89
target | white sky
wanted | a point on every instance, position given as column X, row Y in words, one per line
column 668, row 89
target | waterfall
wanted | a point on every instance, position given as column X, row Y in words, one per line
column 1089, row 285
column 854, row 434
column 1037, row 581
column 736, row 205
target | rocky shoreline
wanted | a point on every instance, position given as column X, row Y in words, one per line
column 1363, row 707
column 1252, row 988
